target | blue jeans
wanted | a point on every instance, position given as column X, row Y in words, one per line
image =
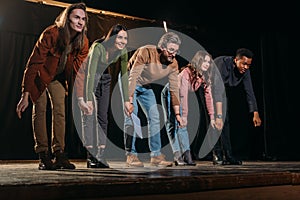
column 145, row 96
column 178, row 137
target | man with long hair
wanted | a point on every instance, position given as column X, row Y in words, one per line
column 54, row 61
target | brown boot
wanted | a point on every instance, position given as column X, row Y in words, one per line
column 160, row 161
column 133, row 161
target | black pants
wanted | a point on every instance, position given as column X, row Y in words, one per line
column 224, row 142
column 102, row 95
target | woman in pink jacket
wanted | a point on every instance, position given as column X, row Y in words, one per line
column 191, row 77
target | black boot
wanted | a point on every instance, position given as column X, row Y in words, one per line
column 91, row 161
column 230, row 160
column 217, row 157
column 178, row 160
column 187, row 157
column 45, row 161
column 61, row 161
column 101, row 162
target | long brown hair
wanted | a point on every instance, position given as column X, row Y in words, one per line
column 62, row 22
column 195, row 66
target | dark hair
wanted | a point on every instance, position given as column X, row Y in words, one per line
column 62, row 22
column 244, row 52
column 109, row 39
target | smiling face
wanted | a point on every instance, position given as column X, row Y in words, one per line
column 206, row 63
column 77, row 21
column 121, row 40
column 170, row 51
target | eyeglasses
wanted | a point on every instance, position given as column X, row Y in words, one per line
column 173, row 51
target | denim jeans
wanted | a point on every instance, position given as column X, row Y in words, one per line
column 178, row 137
column 147, row 100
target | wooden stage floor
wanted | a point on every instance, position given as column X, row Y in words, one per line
column 20, row 179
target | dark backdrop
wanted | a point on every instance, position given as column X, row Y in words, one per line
column 273, row 78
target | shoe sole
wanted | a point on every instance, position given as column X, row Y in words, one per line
column 179, row 164
column 131, row 165
column 64, row 167
column 190, row 164
column 161, row 165
column 218, row 163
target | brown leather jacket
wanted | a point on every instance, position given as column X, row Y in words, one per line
column 43, row 63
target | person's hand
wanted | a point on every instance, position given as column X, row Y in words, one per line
column 128, row 108
column 23, row 104
column 83, row 106
column 256, row 119
column 217, row 123
column 90, row 107
column 182, row 121
column 213, row 123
